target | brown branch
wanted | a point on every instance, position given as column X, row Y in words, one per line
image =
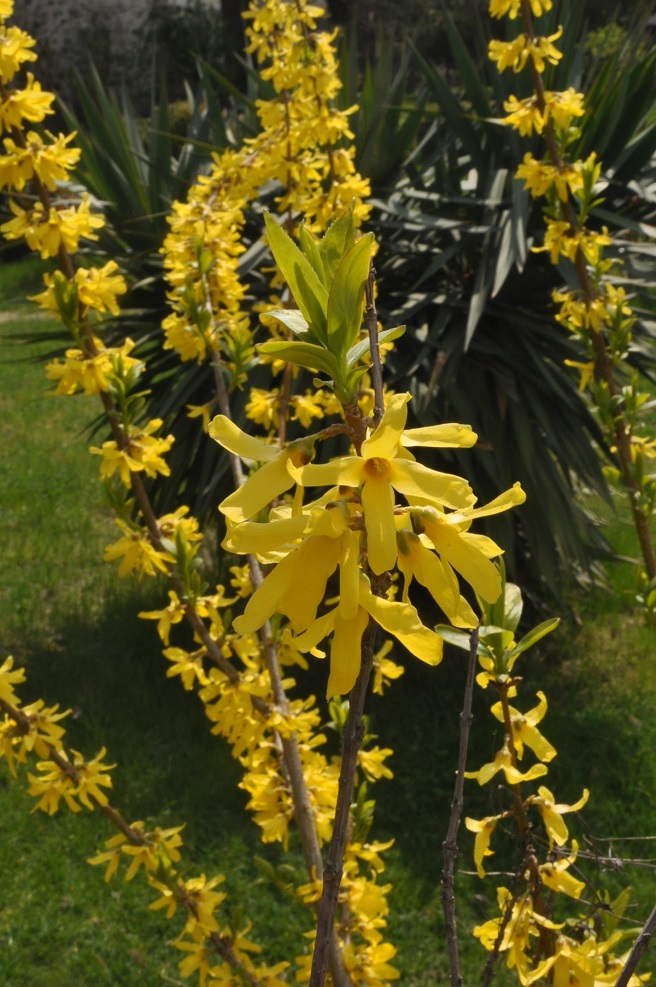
column 639, row 949
column 332, row 876
column 450, row 846
column 304, row 815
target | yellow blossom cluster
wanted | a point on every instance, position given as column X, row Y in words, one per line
column 35, row 164
column 302, row 151
column 534, row 944
column 35, row 729
column 91, row 374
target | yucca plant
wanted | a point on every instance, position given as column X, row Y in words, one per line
column 456, row 266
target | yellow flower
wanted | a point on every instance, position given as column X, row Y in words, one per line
column 515, row 54
column 188, row 666
column 307, row 407
column 562, row 106
column 555, row 874
column 587, row 371
column 416, row 561
column 399, row 619
column 523, row 925
column 562, row 239
column 499, row 8
column 524, row 730
column 483, row 829
column 524, row 115
column 89, row 373
column 61, row 227
column 262, row 408
column 372, row 762
column 268, row 482
column 15, row 48
column 137, row 553
column 384, row 467
column 142, row 451
column 552, row 814
column 49, row 162
column 97, row 290
column 503, row 762
column 384, row 669
column 28, row 103
column 8, row 679
column 539, row 177
column 327, row 541
column 84, row 782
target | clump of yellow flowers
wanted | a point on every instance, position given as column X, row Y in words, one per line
column 597, row 311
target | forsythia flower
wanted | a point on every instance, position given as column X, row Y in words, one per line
column 15, row 48
column 515, row 54
column 61, row 227
column 49, row 162
column 523, row 925
column 137, row 553
column 483, row 829
column 28, row 103
column 90, row 373
column 8, row 679
column 384, row 467
column 524, row 730
column 97, row 290
column 141, row 451
column 499, row 8
column 503, row 762
column 268, row 482
column 552, row 815
column 539, row 177
column 83, row 780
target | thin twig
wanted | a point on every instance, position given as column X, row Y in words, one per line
column 332, row 875
column 450, row 846
column 639, row 948
column 371, row 322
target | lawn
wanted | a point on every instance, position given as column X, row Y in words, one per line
column 73, row 624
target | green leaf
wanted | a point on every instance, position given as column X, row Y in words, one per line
column 358, row 351
column 293, row 320
column 546, row 627
column 309, row 293
column 335, row 243
column 461, row 639
column 310, row 248
column 346, row 298
column 303, row 355
column 513, row 606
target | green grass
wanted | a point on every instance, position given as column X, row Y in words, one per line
column 64, row 614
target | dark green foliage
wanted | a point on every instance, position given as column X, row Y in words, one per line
column 456, row 266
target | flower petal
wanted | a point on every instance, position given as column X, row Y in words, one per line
column 346, row 653
column 447, row 436
column 402, row 620
column 231, row 437
column 378, row 508
column 260, row 489
column 414, row 480
column 384, row 442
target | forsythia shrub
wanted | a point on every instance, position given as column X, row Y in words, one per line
column 316, row 568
